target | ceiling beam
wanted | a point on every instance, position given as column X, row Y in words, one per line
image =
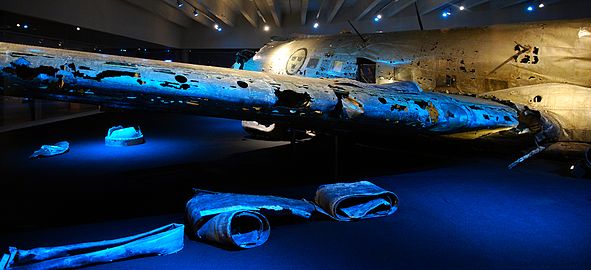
column 365, row 6
column 247, row 9
column 507, row 4
column 275, row 11
column 468, row 4
column 188, row 11
column 336, row 6
column 397, row 7
column 218, row 9
column 303, row 12
column 428, row 6
column 322, row 6
column 164, row 11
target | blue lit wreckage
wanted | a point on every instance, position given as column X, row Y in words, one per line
column 226, row 219
column 122, row 82
column 514, row 79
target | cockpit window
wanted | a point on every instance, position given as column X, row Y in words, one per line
column 313, row 63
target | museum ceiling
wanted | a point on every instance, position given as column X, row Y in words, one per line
column 226, row 24
column 289, row 13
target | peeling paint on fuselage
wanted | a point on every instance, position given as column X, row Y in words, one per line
column 307, row 102
column 529, row 58
column 465, row 60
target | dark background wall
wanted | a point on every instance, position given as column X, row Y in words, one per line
column 161, row 22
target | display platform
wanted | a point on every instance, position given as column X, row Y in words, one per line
column 460, row 208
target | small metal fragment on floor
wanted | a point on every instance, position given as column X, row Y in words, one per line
column 124, row 136
column 532, row 153
column 51, row 150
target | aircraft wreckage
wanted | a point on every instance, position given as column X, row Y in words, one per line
column 532, row 78
column 123, row 82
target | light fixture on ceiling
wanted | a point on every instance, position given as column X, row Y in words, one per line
column 78, row 28
column 377, row 18
column 316, row 25
column 18, row 25
column 445, row 14
column 266, row 28
column 195, row 13
column 462, row 7
column 217, row 27
column 179, row 3
column 541, row 5
column 26, row 26
column 530, row 8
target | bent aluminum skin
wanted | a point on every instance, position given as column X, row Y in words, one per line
column 237, row 220
column 161, row 241
column 50, row 150
column 240, row 220
column 545, row 66
column 124, row 82
column 355, row 201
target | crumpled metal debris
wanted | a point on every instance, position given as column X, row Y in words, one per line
column 51, row 150
column 240, row 221
column 121, row 136
column 161, row 241
column 352, row 201
column 237, row 220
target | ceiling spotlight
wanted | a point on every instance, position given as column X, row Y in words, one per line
column 25, row 26
column 216, row 26
column 541, row 5
column 266, row 28
column 179, row 3
column 77, row 28
column 377, row 18
column 316, row 25
column 195, row 13
column 462, row 7
column 530, row 8
column 18, row 25
column 445, row 14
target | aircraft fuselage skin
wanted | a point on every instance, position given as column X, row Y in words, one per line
column 544, row 66
column 132, row 83
column 465, row 60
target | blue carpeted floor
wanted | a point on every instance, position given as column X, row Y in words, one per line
column 460, row 208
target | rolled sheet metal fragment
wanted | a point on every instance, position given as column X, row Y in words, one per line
column 244, row 229
column 237, row 220
column 353, row 201
column 161, row 241
column 124, row 136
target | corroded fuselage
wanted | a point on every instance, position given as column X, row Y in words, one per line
column 542, row 66
column 465, row 60
column 313, row 103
